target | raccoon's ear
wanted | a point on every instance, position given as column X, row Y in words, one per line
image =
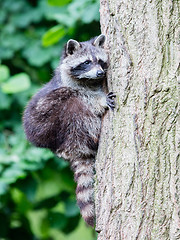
column 72, row 46
column 99, row 41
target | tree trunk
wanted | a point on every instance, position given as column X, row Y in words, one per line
column 137, row 188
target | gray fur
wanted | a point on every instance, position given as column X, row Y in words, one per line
column 65, row 115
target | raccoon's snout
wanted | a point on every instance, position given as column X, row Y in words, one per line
column 100, row 73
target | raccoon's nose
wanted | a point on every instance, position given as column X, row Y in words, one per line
column 100, row 73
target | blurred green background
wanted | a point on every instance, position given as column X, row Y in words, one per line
column 37, row 191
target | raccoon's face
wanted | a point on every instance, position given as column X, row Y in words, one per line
column 86, row 61
column 90, row 69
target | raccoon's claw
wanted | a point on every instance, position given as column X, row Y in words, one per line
column 111, row 95
column 110, row 100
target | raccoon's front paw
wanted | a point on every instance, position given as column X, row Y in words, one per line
column 110, row 100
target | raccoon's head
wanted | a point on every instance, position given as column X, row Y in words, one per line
column 84, row 62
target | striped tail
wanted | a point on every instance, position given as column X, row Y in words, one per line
column 84, row 176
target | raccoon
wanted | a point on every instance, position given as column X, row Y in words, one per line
column 65, row 115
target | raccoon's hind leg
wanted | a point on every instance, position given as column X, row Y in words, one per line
column 84, row 176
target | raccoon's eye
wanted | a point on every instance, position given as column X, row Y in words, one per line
column 87, row 62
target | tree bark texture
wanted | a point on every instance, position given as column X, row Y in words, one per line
column 137, row 190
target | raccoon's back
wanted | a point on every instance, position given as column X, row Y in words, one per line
column 39, row 129
column 61, row 121
column 41, row 118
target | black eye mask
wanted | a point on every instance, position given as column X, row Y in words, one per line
column 81, row 68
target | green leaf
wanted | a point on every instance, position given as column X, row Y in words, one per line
column 11, row 174
column 24, row 19
column 22, row 203
column 18, row 83
column 34, row 154
column 57, row 220
column 4, row 73
column 2, row 16
column 61, row 163
column 93, row 13
column 63, row 18
column 3, row 187
column 5, row 53
column 58, row 2
column 36, row 55
column 28, row 186
column 37, row 220
column 53, row 35
column 5, row 100
column 71, row 208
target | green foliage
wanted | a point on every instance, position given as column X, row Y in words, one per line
column 58, row 3
column 4, row 73
column 37, row 191
column 53, row 35
column 18, row 83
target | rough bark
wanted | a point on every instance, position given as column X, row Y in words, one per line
column 138, row 166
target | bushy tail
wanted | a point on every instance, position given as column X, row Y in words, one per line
column 84, row 176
